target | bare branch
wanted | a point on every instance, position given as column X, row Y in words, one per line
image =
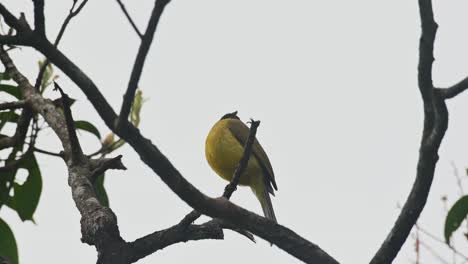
column 14, row 40
column 71, row 14
column 231, row 187
column 454, row 90
column 12, row 105
column 12, row 21
column 46, row 152
column 158, row 240
column 76, row 151
column 105, row 164
column 435, row 125
column 149, row 244
column 39, row 20
column 20, row 132
column 129, row 18
column 140, row 60
column 226, row 225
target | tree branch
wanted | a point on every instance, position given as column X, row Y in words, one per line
column 232, row 186
column 71, row 14
column 13, row 40
column 60, row 155
column 18, row 24
column 105, row 164
column 12, row 105
column 151, row 243
column 20, row 132
column 146, row 41
column 39, row 20
column 158, row 240
column 454, row 90
column 129, row 18
column 76, row 151
column 435, row 125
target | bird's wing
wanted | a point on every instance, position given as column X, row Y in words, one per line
column 241, row 133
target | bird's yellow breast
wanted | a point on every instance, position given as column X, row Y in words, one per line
column 223, row 152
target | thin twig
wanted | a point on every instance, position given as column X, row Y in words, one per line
column 76, row 151
column 72, row 13
column 60, row 155
column 129, row 18
column 231, row 187
column 459, row 182
column 12, row 105
column 431, row 250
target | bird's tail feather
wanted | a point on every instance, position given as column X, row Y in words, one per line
column 264, row 198
column 267, row 206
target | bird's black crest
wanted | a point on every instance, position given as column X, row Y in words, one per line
column 232, row 115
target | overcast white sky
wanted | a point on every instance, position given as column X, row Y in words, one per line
column 333, row 82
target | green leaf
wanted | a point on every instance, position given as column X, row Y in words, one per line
column 47, row 77
column 455, row 217
column 10, row 116
column 8, row 248
column 101, row 191
column 87, row 126
column 11, row 90
column 26, row 196
column 136, row 108
column 4, row 76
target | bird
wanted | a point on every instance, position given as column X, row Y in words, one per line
column 224, row 147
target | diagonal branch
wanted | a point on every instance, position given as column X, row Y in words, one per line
column 454, row 90
column 129, row 18
column 18, row 24
column 158, row 240
column 146, row 41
